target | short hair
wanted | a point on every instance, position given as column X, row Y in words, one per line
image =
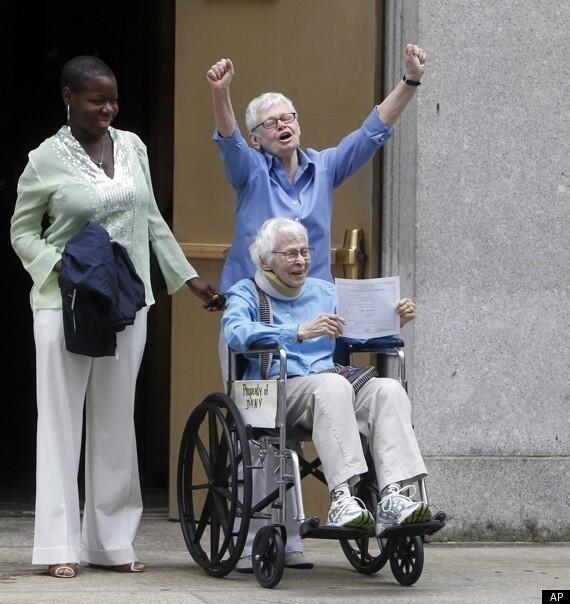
column 264, row 244
column 78, row 70
column 262, row 103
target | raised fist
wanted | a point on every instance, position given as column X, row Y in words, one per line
column 221, row 74
column 415, row 61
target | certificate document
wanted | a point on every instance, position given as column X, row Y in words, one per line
column 369, row 307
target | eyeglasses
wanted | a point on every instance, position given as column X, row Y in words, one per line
column 271, row 122
column 292, row 255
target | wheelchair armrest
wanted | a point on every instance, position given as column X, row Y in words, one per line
column 392, row 346
column 374, row 345
column 262, row 346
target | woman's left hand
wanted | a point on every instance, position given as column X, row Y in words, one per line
column 213, row 299
column 407, row 311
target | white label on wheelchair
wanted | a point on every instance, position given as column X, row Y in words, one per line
column 256, row 401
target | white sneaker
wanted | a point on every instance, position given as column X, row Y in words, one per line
column 245, row 564
column 297, row 560
column 351, row 512
column 397, row 509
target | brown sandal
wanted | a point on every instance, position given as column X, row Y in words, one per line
column 63, row 571
column 130, row 567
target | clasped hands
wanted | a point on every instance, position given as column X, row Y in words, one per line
column 212, row 298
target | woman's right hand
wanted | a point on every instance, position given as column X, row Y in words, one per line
column 212, row 298
column 325, row 324
column 221, row 74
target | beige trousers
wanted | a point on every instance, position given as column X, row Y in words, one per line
column 113, row 504
column 325, row 403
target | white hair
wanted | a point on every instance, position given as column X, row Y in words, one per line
column 262, row 103
column 260, row 250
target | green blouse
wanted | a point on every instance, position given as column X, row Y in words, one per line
column 61, row 180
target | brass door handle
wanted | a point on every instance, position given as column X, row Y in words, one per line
column 351, row 255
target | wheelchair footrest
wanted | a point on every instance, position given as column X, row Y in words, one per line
column 312, row 529
column 412, row 530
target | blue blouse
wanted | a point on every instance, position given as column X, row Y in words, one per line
column 242, row 328
column 264, row 191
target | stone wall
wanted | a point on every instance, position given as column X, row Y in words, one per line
column 477, row 223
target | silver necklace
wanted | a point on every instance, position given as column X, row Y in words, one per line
column 100, row 163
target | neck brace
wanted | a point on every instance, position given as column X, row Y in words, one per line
column 270, row 283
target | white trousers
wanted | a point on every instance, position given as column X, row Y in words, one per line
column 263, row 482
column 113, row 503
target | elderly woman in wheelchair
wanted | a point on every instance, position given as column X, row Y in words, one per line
column 304, row 322
column 293, row 317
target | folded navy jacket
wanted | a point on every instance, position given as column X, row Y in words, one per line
column 100, row 290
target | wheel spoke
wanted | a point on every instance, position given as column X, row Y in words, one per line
column 225, row 522
column 203, row 453
column 231, row 547
column 239, row 507
column 228, row 470
column 221, row 457
column 213, row 437
column 223, row 492
column 204, row 518
column 221, row 512
column 405, row 558
column 363, row 547
column 214, row 537
column 197, row 487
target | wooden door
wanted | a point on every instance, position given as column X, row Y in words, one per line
column 324, row 54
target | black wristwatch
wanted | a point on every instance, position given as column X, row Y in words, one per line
column 411, row 82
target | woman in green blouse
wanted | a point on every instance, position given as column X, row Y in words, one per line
column 90, row 171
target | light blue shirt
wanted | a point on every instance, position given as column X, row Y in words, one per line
column 242, row 328
column 264, row 191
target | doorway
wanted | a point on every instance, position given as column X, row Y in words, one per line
column 136, row 39
column 324, row 56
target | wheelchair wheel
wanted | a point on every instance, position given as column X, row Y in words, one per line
column 268, row 556
column 214, row 485
column 407, row 559
column 366, row 555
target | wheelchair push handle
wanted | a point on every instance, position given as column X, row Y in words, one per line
column 263, row 346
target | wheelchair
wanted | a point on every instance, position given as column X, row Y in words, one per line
column 214, row 484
